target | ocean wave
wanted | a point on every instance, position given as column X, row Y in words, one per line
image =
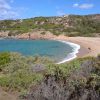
column 71, row 55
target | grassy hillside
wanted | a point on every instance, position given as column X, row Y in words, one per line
column 37, row 78
column 72, row 25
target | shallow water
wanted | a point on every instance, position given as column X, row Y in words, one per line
column 54, row 49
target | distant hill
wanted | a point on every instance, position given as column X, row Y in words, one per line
column 69, row 25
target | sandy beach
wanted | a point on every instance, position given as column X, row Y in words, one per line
column 90, row 46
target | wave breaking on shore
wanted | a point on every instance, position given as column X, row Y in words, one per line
column 71, row 55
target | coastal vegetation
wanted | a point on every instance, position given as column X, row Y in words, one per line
column 37, row 78
column 69, row 25
column 18, row 72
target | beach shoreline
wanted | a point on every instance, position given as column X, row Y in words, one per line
column 71, row 55
column 80, row 51
column 89, row 46
column 83, row 50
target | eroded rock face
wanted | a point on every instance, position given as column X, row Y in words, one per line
column 4, row 34
column 23, row 36
column 36, row 35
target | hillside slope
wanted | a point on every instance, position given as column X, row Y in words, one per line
column 69, row 25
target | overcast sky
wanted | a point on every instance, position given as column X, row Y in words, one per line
column 31, row 8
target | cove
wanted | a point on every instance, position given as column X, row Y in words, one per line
column 59, row 51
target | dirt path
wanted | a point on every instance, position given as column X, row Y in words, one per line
column 7, row 96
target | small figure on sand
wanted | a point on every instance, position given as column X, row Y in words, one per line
column 89, row 48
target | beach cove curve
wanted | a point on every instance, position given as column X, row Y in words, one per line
column 72, row 55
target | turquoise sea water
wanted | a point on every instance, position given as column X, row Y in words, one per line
column 53, row 49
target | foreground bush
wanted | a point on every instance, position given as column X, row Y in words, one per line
column 19, row 72
column 4, row 58
column 80, row 84
column 40, row 79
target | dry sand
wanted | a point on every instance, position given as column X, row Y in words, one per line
column 89, row 46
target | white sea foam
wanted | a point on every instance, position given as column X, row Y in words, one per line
column 72, row 55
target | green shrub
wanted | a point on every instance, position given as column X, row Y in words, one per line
column 4, row 58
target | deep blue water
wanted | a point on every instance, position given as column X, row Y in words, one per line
column 53, row 49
